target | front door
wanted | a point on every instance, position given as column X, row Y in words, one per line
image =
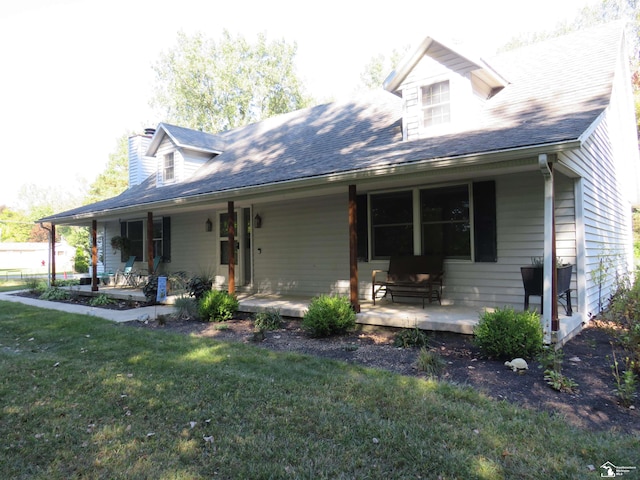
column 242, row 247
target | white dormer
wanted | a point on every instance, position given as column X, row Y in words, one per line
column 179, row 152
column 443, row 90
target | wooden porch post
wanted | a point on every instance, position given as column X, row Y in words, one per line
column 52, row 260
column 150, row 242
column 353, row 249
column 94, row 255
column 232, row 248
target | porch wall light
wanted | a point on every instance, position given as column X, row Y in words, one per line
column 257, row 221
column 208, row 226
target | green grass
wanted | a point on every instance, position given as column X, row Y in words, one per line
column 84, row 398
column 11, row 285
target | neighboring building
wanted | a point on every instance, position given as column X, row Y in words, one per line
column 474, row 160
column 34, row 257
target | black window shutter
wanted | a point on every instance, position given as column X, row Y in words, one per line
column 363, row 228
column 123, row 234
column 166, row 239
column 484, row 221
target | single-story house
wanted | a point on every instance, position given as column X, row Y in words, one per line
column 484, row 162
column 34, row 257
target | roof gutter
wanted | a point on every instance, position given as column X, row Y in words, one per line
column 274, row 188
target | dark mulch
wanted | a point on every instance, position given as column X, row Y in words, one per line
column 587, row 360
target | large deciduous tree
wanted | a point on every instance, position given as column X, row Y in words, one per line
column 215, row 86
column 115, row 177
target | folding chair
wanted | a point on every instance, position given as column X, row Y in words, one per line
column 128, row 273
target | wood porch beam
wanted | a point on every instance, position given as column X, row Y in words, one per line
column 232, row 247
column 94, row 255
column 150, row 242
column 353, row 248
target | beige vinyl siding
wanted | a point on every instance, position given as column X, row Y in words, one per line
column 140, row 166
column 520, row 227
column 442, row 64
column 606, row 215
column 304, row 247
column 166, row 147
column 193, row 249
column 192, row 161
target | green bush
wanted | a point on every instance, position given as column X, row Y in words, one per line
column 411, row 337
column 199, row 285
column 430, row 363
column 101, row 300
column 186, row 308
column 505, row 333
column 54, row 293
column 268, row 320
column 328, row 315
column 217, row 306
column 36, row 286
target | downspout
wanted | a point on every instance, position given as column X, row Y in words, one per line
column 549, row 298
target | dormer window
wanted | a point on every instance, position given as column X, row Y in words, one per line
column 436, row 107
column 168, row 172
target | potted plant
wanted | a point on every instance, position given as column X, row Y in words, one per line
column 533, row 278
column 119, row 243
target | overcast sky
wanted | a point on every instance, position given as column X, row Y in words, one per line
column 76, row 74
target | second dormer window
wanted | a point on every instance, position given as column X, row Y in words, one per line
column 436, row 104
column 168, row 174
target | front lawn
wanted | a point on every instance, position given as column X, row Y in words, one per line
column 86, row 398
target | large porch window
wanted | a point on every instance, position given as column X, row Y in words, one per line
column 456, row 222
column 134, row 231
column 392, row 224
column 446, row 229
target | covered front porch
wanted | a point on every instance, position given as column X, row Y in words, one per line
column 433, row 317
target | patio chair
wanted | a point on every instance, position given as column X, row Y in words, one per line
column 156, row 264
column 127, row 273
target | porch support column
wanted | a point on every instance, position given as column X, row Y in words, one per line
column 550, row 291
column 232, row 248
column 52, row 259
column 150, row 242
column 94, row 255
column 353, row 248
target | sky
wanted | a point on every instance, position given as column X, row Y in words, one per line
column 77, row 74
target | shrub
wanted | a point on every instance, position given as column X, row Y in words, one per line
column 199, row 285
column 186, row 308
column 217, row 306
column 430, row 363
column 150, row 289
column 36, row 286
column 268, row 320
column 624, row 312
column 54, row 293
column 411, row 337
column 100, row 300
column 328, row 315
column 505, row 333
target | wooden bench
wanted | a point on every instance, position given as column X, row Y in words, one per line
column 411, row 276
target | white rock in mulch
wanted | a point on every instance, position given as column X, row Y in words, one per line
column 575, row 359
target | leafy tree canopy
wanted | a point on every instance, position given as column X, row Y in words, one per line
column 215, row 86
column 379, row 67
column 115, row 178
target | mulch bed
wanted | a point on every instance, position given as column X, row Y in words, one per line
column 587, row 360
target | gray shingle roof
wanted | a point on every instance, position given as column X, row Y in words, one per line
column 557, row 90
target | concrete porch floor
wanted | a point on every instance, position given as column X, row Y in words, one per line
column 434, row 317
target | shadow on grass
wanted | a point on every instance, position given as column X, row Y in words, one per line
column 86, row 398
